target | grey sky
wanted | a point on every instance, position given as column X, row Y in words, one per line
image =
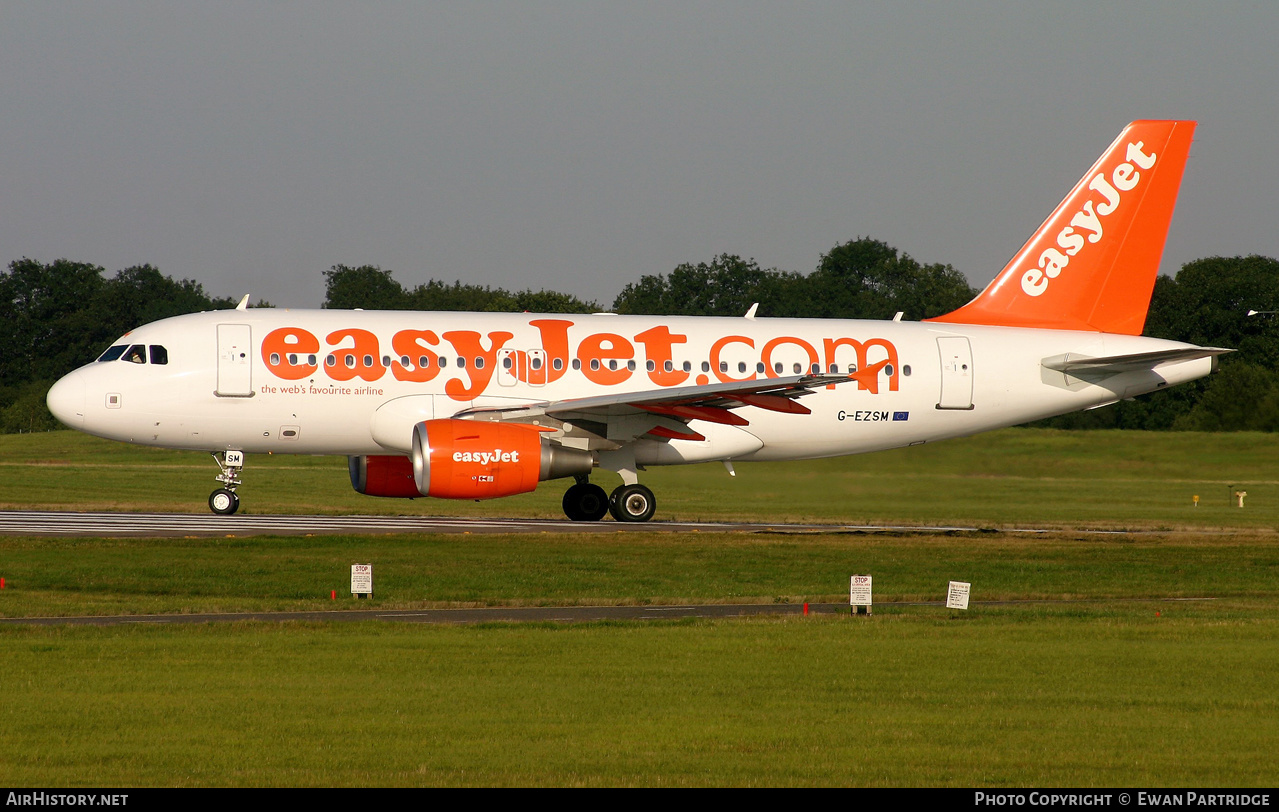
column 578, row 146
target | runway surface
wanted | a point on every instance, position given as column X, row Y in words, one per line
column 180, row 525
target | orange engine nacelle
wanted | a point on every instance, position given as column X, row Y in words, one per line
column 382, row 475
column 467, row 459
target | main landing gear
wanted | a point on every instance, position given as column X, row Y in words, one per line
column 224, row 501
column 584, row 502
column 632, row 503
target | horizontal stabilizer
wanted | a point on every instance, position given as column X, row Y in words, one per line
column 1073, row 364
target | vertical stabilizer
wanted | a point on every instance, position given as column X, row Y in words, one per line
column 1092, row 264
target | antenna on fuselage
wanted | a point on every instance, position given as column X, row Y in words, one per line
column 244, row 303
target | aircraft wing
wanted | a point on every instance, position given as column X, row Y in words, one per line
column 665, row 413
column 1072, row 364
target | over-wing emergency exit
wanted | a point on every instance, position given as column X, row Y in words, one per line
column 484, row 405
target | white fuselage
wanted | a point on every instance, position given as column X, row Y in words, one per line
column 353, row 382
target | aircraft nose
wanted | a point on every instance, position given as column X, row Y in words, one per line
column 66, row 400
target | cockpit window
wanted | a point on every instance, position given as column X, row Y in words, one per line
column 137, row 354
column 113, row 353
column 159, row 355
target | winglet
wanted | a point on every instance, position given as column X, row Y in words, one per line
column 1092, row 264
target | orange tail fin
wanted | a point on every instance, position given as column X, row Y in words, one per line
column 1092, row 264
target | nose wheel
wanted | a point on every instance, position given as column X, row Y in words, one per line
column 224, row 500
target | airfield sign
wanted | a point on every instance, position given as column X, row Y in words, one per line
column 957, row 595
column 859, row 594
column 362, row 579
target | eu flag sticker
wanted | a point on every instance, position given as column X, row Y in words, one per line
column 901, row 415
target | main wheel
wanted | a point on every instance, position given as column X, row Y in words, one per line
column 224, row 502
column 632, row 503
column 585, row 502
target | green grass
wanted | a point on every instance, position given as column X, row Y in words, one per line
column 1111, row 687
column 52, row 577
column 1014, row 477
column 1020, row 697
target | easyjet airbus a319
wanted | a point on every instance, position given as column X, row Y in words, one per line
column 482, row 405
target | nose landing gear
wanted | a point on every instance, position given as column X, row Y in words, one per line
column 224, row 500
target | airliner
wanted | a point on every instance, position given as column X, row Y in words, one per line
column 484, row 405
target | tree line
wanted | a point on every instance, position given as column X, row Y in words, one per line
column 862, row 279
column 56, row 317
